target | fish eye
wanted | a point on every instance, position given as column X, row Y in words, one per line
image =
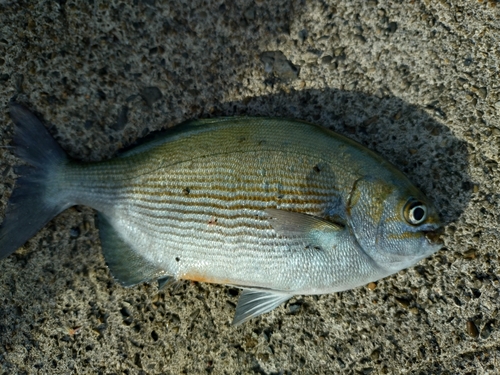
column 415, row 212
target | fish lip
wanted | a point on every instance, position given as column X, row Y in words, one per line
column 434, row 236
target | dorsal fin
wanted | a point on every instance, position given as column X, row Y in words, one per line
column 125, row 264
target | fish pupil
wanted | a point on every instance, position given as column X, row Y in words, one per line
column 418, row 214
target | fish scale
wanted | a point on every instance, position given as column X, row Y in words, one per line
column 275, row 206
column 199, row 251
column 155, row 203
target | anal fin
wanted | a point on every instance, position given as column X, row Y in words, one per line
column 126, row 265
column 253, row 303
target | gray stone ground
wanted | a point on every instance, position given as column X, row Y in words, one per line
column 418, row 81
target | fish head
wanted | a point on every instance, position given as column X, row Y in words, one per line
column 393, row 222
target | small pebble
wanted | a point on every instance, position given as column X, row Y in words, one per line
column 151, row 95
column 275, row 62
column 487, row 330
column 74, row 232
column 360, row 38
column 338, row 51
column 122, row 119
column 470, row 254
column 403, row 302
column 328, row 60
column 472, row 329
column 482, row 93
column 392, row 27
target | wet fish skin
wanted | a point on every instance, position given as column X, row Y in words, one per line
column 275, row 206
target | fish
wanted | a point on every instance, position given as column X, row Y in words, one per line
column 273, row 206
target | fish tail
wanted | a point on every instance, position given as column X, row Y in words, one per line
column 36, row 198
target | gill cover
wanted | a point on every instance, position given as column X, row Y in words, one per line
column 390, row 220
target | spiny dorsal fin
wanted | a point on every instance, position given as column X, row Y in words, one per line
column 254, row 302
column 125, row 264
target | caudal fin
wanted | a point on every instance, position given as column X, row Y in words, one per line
column 34, row 201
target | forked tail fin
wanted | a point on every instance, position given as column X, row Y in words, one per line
column 35, row 199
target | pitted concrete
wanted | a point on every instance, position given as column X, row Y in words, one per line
column 417, row 81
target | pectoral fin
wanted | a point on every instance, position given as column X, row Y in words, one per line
column 253, row 303
column 125, row 264
column 296, row 224
column 311, row 229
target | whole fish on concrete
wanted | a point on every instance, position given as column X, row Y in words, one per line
column 273, row 206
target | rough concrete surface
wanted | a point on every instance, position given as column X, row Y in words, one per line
column 417, row 81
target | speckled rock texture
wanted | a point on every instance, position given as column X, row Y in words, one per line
column 418, row 81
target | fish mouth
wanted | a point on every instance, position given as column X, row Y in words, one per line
column 434, row 236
